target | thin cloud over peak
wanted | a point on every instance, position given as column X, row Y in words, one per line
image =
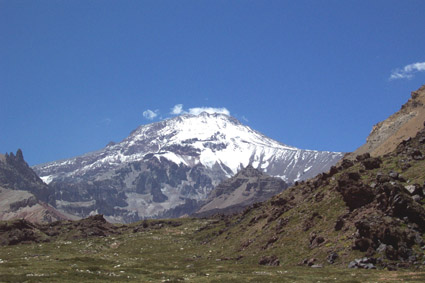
column 149, row 114
column 408, row 71
column 209, row 110
column 178, row 110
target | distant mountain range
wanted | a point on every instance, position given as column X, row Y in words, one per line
column 167, row 168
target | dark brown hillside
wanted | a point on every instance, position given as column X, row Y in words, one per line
column 370, row 209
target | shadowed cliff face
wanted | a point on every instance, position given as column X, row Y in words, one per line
column 15, row 174
column 404, row 124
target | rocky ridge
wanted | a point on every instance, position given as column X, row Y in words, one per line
column 15, row 174
column 245, row 188
column 23, row 194
column 22, row 231
column 404, row 124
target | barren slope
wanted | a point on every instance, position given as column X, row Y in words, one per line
column 404, row 124
column 245, row 188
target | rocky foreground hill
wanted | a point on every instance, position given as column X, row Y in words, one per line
column 368, row 213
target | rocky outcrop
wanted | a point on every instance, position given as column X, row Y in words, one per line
column 354, row 192
column 23, row 195
column 15, row 174
column 404, row 124
column 388, row 215
column 21, row 231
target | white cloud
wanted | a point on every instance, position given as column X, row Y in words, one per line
column 177, row 109
column 408, row 71
column 149, row 114
column 209, row 110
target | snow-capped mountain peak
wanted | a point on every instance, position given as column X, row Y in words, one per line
column 212, row 138
column 182, row 158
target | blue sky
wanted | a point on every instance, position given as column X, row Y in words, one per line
column 75, row 75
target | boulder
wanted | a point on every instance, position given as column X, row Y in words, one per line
column 371, row 163
column 315, row 240
column 332, row 257
column 356, row 196
column 365, row 263
column 346, row 163
column 271, row 260
column 363, row 244
column 393, row 175
column 339, row 224
column 308, row 261
column 363, row 156
column 417, row 155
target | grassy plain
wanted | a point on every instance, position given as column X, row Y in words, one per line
column 164, row 253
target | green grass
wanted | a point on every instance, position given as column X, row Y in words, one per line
column 170, row 254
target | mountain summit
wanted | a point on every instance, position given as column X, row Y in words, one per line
column 171, row 163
